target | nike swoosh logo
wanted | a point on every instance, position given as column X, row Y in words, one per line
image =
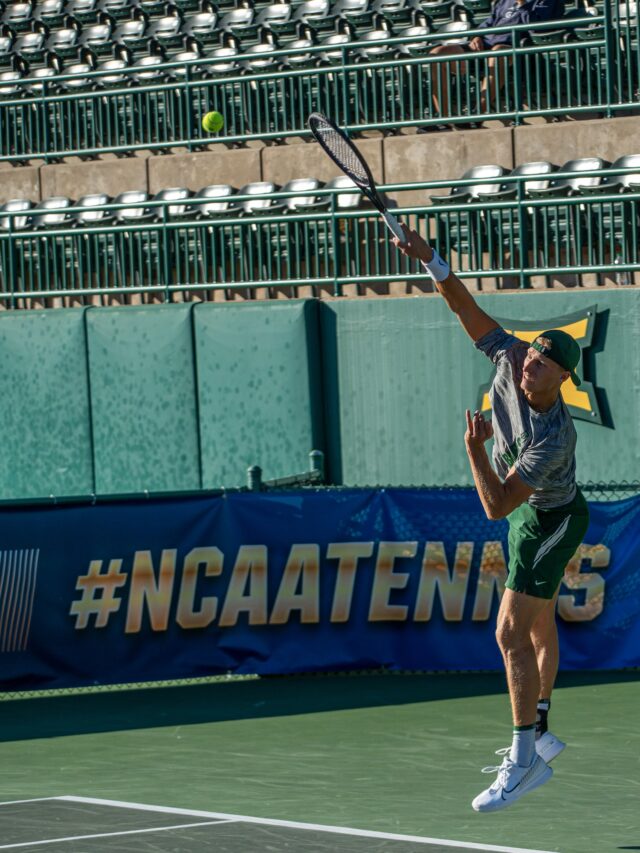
column 539, row 583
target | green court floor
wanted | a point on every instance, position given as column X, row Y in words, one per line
column 392, row 754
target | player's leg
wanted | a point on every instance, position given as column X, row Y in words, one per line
column 516, row 618
column 522, row 769
column 544, row 636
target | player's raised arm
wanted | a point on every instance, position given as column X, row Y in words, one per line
column 476, row 322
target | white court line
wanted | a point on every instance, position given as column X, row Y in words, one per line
column 289, row 824
column 111, row 834
column 34, row 800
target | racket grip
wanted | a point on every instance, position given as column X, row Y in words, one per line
column 394, row 226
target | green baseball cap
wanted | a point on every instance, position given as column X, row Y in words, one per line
column 561, row 348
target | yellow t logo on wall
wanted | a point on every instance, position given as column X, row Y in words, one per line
column 581, row 401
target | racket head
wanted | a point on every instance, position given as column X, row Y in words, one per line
column 343, row 152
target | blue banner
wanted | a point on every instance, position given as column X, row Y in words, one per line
column 287, row 582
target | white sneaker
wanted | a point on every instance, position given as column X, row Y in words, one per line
column 512, row 783
column 548, row 746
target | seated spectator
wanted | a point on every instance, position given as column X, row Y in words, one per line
column 504, row 12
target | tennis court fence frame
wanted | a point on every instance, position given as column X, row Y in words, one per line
column 323, row 248
column 574, row 66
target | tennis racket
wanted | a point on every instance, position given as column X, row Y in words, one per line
column 346, row 156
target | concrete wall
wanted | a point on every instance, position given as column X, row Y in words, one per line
column 395, row 159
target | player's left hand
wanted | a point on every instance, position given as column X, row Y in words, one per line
column 478, row 431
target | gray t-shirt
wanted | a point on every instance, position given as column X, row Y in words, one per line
column 540, row 445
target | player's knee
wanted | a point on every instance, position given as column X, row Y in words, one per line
column 509, row 636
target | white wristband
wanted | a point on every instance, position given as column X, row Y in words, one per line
column 437, row 268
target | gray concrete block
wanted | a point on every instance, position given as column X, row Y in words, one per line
column 307, row 160
column 201, row 169
column 559, row 142
column 20, row 182
column 441, row 156
column 100, row 176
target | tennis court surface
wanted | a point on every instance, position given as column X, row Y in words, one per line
column 84, row 824
column 354, row 763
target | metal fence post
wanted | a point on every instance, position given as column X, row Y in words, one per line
column 611, row 56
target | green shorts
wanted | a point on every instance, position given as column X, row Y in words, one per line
column 541, row 543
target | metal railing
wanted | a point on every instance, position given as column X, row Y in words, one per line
column 596, row 69
column 323, row 247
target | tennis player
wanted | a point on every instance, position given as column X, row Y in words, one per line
column 532, row 484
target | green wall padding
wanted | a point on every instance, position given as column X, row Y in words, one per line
column 183, row 397
column 44, row 415
column 143, row 399
column 399, row 373
column 259, row 388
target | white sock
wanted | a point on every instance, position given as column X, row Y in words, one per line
column 523, row 747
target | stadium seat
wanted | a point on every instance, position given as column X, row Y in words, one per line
column 85, row 12
column 135, row 249
column 570, row 231
column 202, row 31
column 439, row 11
column 240, row 22
column 9, row 87
column 224, row 61
column 166, row 33
column 63, row 43
column 114, row 119
column 359, row 13
column 464, row 231
column 508, row 230
column 455, row 30
column 220, row 201
column 183, row 243
column 99, row 216
column 18, row 17
column 12, row 128
column 156, row 110
column 477, row 9
column 50, row 13
column 12, row 272
column 570, row 185
column 616, row 224
column 52, row 258
column 217, row 253
column 276, row 17
column 418, row 47
column 96, row 252
column 398, row 13
column 117, row 10
column 36, row 83
column 346, row 198
column 7, row 56
column 31, row 48
column 314, row 13
column 334, row 55
column 131, row 39
column 258, row 58
column 96, row 41
column 149, row 69
column 298, row 56
column 188, row 7
column 81, row 116
column 153, row 9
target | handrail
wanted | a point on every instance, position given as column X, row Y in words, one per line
column 237, row 198
column 206, row 61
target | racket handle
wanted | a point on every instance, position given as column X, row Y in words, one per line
column 394, row 226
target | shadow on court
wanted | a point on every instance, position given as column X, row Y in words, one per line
column 79, row 713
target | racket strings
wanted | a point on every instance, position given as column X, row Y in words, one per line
column 342, row 152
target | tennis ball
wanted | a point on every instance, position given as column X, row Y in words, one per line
column 212, row 122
